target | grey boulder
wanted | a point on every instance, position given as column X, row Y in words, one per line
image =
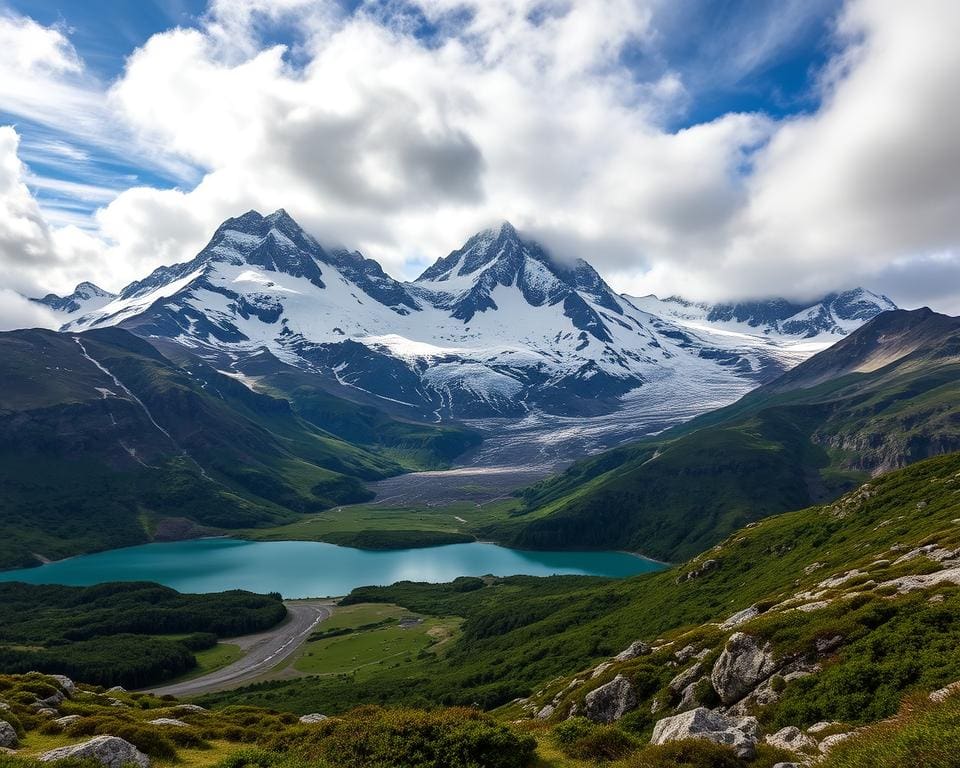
column 791, row 738
column 110, row 751
column 632, row 651
column 741, row 734
column 611, row 701
column 312, row 718
column 8, row 735
column 742, row 666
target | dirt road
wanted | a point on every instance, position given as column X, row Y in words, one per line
column 262, row 652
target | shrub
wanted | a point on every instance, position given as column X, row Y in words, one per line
column 405, row 738
column 705, row 694
column 691, row 753
column 147, row 740
column 569, row 731
column 602, row 744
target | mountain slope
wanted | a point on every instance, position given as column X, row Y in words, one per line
column 106, row 442
column 86, row 297
column 887, row 395
column 500, row 327
column 863, row 567
column 835, row 314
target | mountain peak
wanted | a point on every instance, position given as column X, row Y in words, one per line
column 86, row 289
column 86, row 295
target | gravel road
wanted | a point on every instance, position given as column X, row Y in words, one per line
column 262, row 651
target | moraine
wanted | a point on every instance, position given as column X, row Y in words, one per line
column 298, row 569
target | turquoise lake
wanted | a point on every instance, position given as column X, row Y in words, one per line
column 313, row 569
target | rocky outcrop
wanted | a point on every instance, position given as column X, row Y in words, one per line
column 632, row 651
column 312, row 718
column 742, row 666
column 741, row 617
column 169, row 721
column 831, row 741
column 741, row 734
column 685, row 678
column 109, row 751
column 600, row 669
column 791, row 738
column 611, row 701
column 8, row 735
column 913, row 583
column 181, row 708
column 702, row 568
column 66, row 684
column 941, row 695
column 66, row 720
column 546, row 712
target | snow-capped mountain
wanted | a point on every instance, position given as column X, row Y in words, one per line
column 825, row 319
column 86, row 297
column 498, row 327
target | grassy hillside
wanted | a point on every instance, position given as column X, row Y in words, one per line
column 169, row 733
column 420, row 446
column 521, row 632
column 886, row 396
column 88, row 463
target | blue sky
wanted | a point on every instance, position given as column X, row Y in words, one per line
column 717, row 149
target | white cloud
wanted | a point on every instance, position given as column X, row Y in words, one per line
column 17, row 311
column 402, row 147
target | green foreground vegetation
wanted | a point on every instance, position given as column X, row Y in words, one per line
column 131, row 634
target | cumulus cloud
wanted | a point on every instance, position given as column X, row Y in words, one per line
column 403, row 144
column 16, row 311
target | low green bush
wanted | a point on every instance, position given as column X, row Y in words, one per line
column 407, row 738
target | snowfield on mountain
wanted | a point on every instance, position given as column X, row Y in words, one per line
column 499, row 328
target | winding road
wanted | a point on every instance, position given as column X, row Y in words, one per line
column 262, row 652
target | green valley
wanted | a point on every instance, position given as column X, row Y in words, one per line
column 109, row 443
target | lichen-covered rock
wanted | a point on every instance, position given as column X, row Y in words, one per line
column 688, row 696
column 66, row 720
column 312, row 718
column 190, row 708
column 109, row 751
column 610, row 702
column 635, row 649
column 831, row 741
column 684, row 679
column 546, row 712
column 66, row 684
column 820, row 727
column 791, row 738
column 600, row 669
column 8, row 735
column 169, row 721
column 741, row 617
column 741, row 734
column 705, row 567
column 742, row 666
column 941, row 695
